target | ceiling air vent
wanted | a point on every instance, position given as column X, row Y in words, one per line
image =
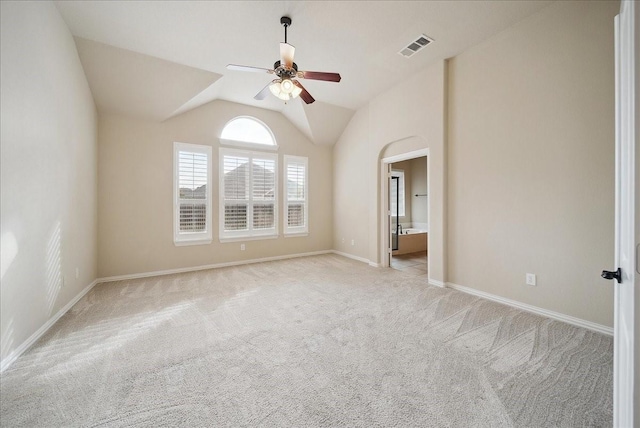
column 413, row 47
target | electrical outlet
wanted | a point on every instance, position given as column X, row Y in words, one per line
column 353, row 242
column 77, row 273
column 530, row 279
column 343, row 240
column 242, row 247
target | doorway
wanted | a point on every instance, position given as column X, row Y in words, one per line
column 408, row 212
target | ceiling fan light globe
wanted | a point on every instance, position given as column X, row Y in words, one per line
column 287, row 86
column 284, row 89
column 296, row 91
column 274, row 87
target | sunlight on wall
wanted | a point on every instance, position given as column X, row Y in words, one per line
column 9, row 250
column 53, row 268
column 7, row 340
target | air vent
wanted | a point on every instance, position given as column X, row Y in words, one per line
column 415, row 46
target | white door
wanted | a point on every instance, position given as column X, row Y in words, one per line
column 623, row 370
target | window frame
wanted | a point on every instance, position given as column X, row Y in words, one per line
column 248, row 144
column 191, row 238
column 249, row 234
column 297, row 230
column 402, row 197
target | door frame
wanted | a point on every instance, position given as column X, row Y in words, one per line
column 385, row 226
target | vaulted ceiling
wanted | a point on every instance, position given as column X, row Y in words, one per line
column 158, row 59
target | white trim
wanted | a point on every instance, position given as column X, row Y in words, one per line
column 534, row 309
column 351, row 256
column 374, row 264
column 248, row 238
column 406, row 156
column 193, row 242
column 248, row 145
column 9, row 359
column 211, row 266
column 436, row 283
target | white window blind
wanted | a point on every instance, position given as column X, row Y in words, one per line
column 248, row 189
column 400, row 197
column 296, row 203
column 192, row 194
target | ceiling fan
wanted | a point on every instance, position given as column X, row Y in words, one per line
column 285, row 86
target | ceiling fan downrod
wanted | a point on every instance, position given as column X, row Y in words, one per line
column 286, row 22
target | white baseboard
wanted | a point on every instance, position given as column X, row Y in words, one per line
column 534, row 309
column 374, row 264
column 436, row 283
column 9, row 359
column 351, row 256
column 211, row 266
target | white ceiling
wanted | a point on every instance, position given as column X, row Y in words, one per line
column 358, row 39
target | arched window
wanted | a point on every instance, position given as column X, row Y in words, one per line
column 249, row 132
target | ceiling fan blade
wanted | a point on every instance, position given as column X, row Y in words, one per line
column 286, row 54
column 305, row 95
column 319, row 75
column 263, row 93
column 248, row 68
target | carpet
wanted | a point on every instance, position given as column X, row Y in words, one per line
column 320, row 341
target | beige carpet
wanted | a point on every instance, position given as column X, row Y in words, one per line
column 315, row 341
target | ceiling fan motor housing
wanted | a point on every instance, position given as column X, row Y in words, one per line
column 283, row 71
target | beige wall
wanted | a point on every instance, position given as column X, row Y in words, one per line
column 48, row 165
column 531, row 161
column 406, row 118
column 352, row 174
column 136, row 191
column 528, row 167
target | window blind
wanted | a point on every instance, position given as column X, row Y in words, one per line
column 192, row 184
column 192, row 194
column 400, row 194
column 249, row 194
column 296, row 194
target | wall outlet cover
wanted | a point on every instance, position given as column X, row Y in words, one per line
column 530, row 279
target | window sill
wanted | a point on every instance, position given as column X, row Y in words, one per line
column 248, row 238
column 296, row 234
column 192, row 242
